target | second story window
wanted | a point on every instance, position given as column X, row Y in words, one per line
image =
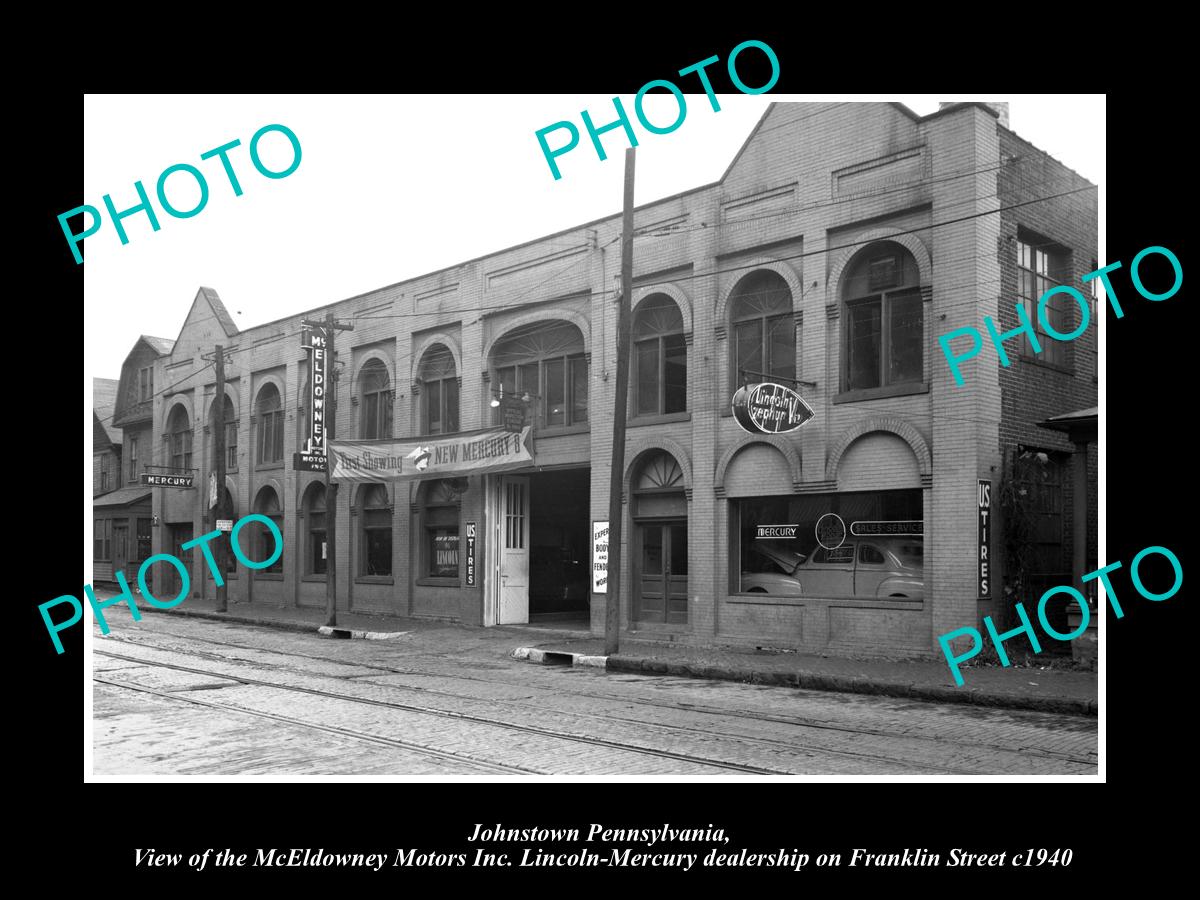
column 269, row 411
column 376, row 399
column 179, row 437
column 231, row 436
column 546, row 361
column 132, row 443
column 659, row 358
column 439, row 391
column 145, row 383
column 884, row 318
column 764, row 330
column 1037, row 267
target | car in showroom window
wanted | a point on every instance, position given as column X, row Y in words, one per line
column 879, row 568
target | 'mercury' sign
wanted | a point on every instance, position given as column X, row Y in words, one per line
column 467, row 453
column 769, row 408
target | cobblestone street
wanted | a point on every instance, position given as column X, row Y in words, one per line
column 181, row 696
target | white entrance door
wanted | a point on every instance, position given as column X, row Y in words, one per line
column 514, row 552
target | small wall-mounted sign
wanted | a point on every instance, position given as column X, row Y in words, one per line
column 775, row 532
column 172, row 481
column 470, row 554
column 310, row 462
column 985, row 538
column 224, row 524
column 875, row 529
column 599, row 557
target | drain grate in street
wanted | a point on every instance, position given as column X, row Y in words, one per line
column 555, row 658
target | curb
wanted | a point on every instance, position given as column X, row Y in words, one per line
column 559, row 658
column 332, row 632
column 812, row 681
column 281, row 624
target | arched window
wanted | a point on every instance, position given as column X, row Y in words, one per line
column 314, row 526
column 439, row 391
column 269, row 410
column 441, row 532
column 376, row 398
column 659, row 357
column 267, row 504
column 375, row 528
column 546, row 361
column 179, row 430
column 231, row 435
column 764, row 330
column 884, row 318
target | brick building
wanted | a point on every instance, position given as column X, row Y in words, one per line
column 843, row 239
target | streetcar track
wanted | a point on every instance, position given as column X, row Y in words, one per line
column 468, row 717
column 364, row 736
column 798, row 721
column 546, row 732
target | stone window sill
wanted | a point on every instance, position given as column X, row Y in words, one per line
column 637, row 421
column 880, row 393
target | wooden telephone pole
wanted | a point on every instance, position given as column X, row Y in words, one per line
column 612, row 607
column 331, row 328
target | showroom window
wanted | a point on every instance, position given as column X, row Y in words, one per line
column 316, row 554
column 375, row 518
column 863, row 545
column 441, row 513
column 267, row 504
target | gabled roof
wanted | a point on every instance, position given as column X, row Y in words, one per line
column 104, row 399
column 161, row 346
column 219, row 310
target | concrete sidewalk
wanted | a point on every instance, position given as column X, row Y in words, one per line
column 1046, row 690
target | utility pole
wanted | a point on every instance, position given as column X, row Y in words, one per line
column 331, row 328
column 612, row 607
column 220, row 548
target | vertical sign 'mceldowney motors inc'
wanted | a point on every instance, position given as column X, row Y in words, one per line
column 313, row 458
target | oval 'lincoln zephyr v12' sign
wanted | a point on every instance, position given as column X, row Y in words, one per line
column 769, row 408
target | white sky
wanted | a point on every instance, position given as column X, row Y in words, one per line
column 392, row 187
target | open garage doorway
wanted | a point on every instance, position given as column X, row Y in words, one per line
column 559, row 547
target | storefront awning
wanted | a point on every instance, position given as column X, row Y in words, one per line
column 1080, row 426
column 123, row 497
column 443, row 456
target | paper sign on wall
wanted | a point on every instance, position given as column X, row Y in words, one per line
column 599, row 557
